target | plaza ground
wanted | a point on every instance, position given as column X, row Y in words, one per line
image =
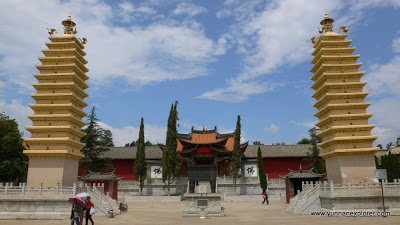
column 236, row 212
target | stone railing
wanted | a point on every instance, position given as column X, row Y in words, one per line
column 330, row 188
column 103, row 202
column 22, row 189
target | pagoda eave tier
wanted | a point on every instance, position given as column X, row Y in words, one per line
column 341, row 106
column 59, row 96
column 56, row 140
column 331, row 118
column 50, row 61
column 64, row 53
column 336, row 76
column 335, row 96
column 330, row 58
column 331, row 44
column 346, row 140
column 350, row 152
column 56, row 117
column 51, row 129
column 344, row 85
column 66, row 45
column 325, row 67
column 68, row 106
column 53, row 154
column 66, row 85
column 60, row 76
column 333, row 51
column 62, row 68
column 334, row 129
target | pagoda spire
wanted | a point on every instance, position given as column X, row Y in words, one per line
column 57, row 120
column 340, row 101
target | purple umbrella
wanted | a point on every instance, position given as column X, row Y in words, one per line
column 78, row 199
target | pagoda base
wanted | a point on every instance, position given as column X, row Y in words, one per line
column 53, row 168
column 355, row 169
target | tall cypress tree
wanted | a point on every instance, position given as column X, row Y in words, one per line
column 94, row 146
column 170, row 157
column 261, row 172
column 12, row 166
column 317, row 164
column 236, row 163
column 140, row 163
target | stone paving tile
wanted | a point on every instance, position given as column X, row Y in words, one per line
column 238, row 212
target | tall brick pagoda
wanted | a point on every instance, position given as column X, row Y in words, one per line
column 343, row 120
column 57, row 120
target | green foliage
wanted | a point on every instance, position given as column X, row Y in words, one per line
column 140, row 163
column 282, row 143
column 376, row 162
column 317, row 164
column 304, row 141
column 391, row 163
column 236, row 163
column 95, row 146
column 171, row 158
column 11, row 151
column 106, row 138
column 261, row 172
column 257, row 143
column 148, row 143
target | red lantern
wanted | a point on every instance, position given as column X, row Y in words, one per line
column 226, row 160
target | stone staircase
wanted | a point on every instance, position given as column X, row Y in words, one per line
column 306, row 201
column 103, row 203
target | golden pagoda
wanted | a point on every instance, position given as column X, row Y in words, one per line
column 343, row 120
column 57, row 120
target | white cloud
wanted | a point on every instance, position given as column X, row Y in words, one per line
column 159, row 51
column 385, row 135
column 271, row 128
column 396, row 45
column 308, row 124
column 128, row 11
column 18, row 111
column 189, row 8
column 153, row 133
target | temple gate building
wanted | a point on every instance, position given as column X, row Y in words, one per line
column 343, row 120
column 57, row 120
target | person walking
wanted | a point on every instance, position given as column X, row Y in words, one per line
column 76, row 212
column 265, row 196
column 89, row 205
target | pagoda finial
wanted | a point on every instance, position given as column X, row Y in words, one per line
column 326, row 24
column 69, row 25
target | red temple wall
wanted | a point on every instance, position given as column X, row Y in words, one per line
column 276, row 167
column 124, row 168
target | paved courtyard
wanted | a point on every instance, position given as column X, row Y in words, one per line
column 237, row 212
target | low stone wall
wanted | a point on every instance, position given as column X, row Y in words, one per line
column 34, row 207
column 354, row 201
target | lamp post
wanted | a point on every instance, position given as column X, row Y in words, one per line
column 381, row 174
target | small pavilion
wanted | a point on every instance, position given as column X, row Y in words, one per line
column 110, row 181
column 294, row 179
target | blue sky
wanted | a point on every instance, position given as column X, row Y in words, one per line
column 219, row 59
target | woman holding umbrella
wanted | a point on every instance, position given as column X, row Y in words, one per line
column 77, row 208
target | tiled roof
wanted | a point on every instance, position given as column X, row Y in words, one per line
column 100, row 176
column 277, row 151
column 267, row 151
column 152, row 152
column 302, row 174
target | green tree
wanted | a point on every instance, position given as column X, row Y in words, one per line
column 106, row 138
column 170, row 159
column 140, row 163
column 376, row 162
column 236, row 162
column 261, row 172
column 94, row 146
column 257, row 143
column 282, row 143
column 304, row 141
column 391, row 163
column 148, row 143
column 12, row 166
column 317, row 164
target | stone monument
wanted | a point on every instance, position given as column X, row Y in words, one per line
column 343, row 120
column 57, row 120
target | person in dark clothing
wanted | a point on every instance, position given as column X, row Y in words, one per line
column 265, row 196
column 75, row 213
column 89, row 205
